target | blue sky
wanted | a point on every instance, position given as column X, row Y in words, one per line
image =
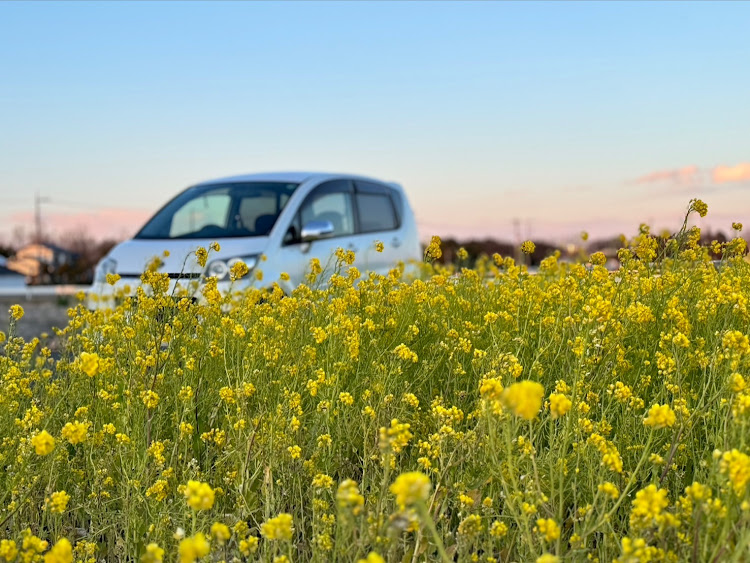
column 564, row 116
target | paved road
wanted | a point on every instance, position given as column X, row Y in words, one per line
column 40, row 315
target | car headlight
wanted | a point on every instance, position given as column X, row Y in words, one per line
column 106, row 266
column 220, row 269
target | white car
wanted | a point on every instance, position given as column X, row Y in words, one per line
column 288, row 218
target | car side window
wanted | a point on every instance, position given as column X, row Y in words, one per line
column 375, row 208
column 331, row 201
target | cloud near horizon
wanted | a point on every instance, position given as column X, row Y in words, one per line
column 692, row 174
column 738, row 173
column 684, row 175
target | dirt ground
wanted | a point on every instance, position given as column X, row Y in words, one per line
column 40, row 315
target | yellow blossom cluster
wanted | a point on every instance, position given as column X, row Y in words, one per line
column 476, row 411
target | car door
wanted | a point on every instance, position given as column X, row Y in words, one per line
column 378, row 221
column 331, row 201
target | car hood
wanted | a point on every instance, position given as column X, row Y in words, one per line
column 134, row 255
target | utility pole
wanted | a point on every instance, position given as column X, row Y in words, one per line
column 38, row 200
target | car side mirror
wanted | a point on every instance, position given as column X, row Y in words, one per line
column 315, row 230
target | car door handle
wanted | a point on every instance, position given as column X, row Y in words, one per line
column 396, row 242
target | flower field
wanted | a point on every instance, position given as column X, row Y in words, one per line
column 481, row 414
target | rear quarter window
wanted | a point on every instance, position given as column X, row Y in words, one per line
column 375, row 208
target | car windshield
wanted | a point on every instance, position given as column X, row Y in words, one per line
column 237, row 209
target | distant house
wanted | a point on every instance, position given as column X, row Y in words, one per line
column 43, row 263
column 10, row 279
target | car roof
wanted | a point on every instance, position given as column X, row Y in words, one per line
column 290, row 177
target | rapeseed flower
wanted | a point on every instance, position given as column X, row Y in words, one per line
column 57, row 502
column 348, row 496
column 647, row 506
column 16, row 312
column 524, row 399
column 411, row 488
column 153, row 554
column 200, row 496
column 736, row 465
column 43, row 443
column 90, row 363
column 660, row 416
column 278, row 528
column 8, row 550
column 75, row 432
column 559, row 405
column 220, row 532
column 193, row 548
column 547, row 529
column 61, row 552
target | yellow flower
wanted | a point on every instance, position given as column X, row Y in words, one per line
column 559, row 405
column 193, row 548
column 528, row 247
column 8, row 550
column 372, row 557
column 524, row 399
column 57, row 502
column 737, row 226
column 112, row 279
column 16, row 312
column 547, row 558
column 348, row 497
column 61, row 552
column 90, row 364
column 248, row 546
column 699, row 207
column 346, row 398
column 736, row 465
column 498, row 529
column 220, row 532
column 201, row 255
column 609, row 489
column 75, row 432
column 200, row 496
column 238, row 270
column 159, row 490
column 322, row 481
column 548, row 529
column 433, row 251
column 411, row 488
column 153, row 554
column 647, row 506
column 150, row 399
column 470, row 526
column 43, row 443
column 660, row 416
column 278, row 528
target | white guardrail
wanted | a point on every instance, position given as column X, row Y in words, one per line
column 31, row 292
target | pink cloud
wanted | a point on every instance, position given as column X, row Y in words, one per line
column 684, row 175
column 99, row 223
column 723, row 174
